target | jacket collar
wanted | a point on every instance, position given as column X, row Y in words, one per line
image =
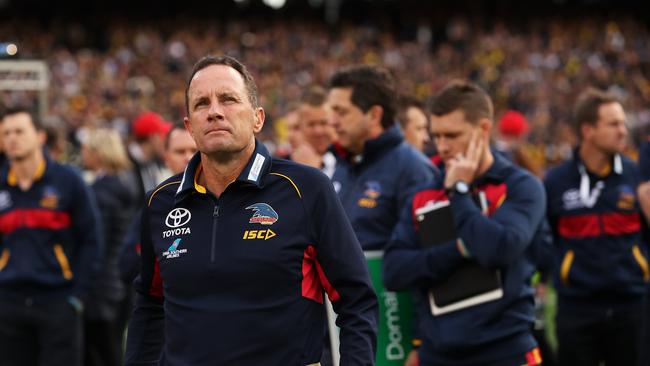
column 372, row 148
column 9, row 176
column 253, row 173
column 498, row 171
column 616, row 167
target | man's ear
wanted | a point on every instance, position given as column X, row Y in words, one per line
column 376, row 112
column 42, row 137
column 485, row 125
column 259, row 119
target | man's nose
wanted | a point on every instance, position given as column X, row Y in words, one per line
column 216, row 110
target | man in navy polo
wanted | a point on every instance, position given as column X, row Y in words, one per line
column 239, row 250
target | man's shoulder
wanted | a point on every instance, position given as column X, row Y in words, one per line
column 165, row 190
column 297, row 172
column 561, row 172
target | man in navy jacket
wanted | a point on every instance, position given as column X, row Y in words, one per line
column 50, row 248
column 238, row 250
column 594, row 212
column 499, row 237
column 376, row 169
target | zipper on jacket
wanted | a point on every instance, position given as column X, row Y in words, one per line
column 215, row 223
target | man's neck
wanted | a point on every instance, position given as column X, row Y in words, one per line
column 485, row 164
column 25, row 169
column 594, row 159
column 220, row 171
column 373, row 134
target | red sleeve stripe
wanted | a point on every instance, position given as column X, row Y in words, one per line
column 156, row 282
column 591, row 225
column 314, row 279
column 429, row 195
column 33, row 219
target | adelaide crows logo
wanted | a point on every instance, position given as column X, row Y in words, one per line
column 263, row 214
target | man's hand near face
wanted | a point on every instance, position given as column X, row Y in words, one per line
column 464, row 167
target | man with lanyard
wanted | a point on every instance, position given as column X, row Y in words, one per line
column 594, row 213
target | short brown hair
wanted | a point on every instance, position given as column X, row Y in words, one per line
column 586, row 109
column 404, row 102
column 371, row 85
column 465, row 96
column 314, row 96
column 36, row 122
column 251, row 87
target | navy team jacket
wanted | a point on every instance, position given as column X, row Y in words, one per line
column 490, row 331
column 598, row 233
column 240, row 279
column 375, row 186
column 49, row 235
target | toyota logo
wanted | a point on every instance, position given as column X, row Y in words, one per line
column 178, row 217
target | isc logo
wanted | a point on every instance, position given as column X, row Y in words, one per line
column 258, row 234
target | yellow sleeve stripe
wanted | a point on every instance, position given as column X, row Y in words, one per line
column 4, row 259
column 161, row 187
column 290, row 181
column 63, row 261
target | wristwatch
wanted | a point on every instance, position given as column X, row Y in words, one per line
column 460, row 187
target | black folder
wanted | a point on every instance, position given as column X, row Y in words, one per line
column 469, row 284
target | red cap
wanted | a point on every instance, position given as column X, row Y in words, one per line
column 513, row 123
column 149, row 123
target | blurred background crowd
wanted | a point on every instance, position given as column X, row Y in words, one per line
column 105, row 71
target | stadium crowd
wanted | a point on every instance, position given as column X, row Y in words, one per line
column 110, row 76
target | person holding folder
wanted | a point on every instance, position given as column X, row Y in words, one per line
column 464, row 244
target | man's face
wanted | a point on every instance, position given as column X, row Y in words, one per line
column 294, row 135
column 415, row 128
column 609, row 134
column 180, row 150
column 315, row 127
column 451, row 133
column 20, row 138
column 351, row 124
column 221, row 118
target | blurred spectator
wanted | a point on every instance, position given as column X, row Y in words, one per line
column 179, row 149
column 414, row 121
column 104, row 154
column 316, row 133
column 511, row 141
column 146, row 152
column 50, row 245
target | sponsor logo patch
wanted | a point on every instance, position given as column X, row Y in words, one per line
column 173, row 251
column 263, row 214
column 371, row 194
column 178, row 217
column 50, row 198
column 626, row 198
column 265, row 234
